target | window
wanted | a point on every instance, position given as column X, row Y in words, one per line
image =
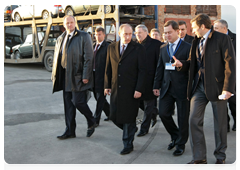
column 210, row 10
column 178, row 9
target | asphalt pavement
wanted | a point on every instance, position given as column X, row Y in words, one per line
column 34, row 117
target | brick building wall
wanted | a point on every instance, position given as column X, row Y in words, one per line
column 164, row 17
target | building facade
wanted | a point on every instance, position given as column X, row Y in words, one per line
column 181, row 12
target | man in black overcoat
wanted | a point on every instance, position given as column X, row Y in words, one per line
column 173, row 87
column 125, row 81
column 152, row 47
column 99, row 64
column 221, row 25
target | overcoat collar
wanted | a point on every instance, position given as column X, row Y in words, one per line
column 129, row 48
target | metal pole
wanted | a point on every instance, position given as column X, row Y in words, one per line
column 117, row 19
column 33, row 34
column 156, row 16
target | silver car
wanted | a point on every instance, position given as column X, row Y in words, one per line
column 39, row 11
column 78, row 9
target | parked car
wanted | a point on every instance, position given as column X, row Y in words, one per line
column 25, row 50
column 8, row 11
column 10, row 41
column 40, row 11
column 78, row 9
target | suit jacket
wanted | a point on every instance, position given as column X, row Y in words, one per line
column 100, row 65
column 124, row 75
column 218, row 65
column 152, row 47
column 79, row 63
column 178, row 80
column 188, row 38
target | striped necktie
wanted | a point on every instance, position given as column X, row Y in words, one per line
column 201, row 46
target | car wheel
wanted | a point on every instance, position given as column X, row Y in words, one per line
column 17, row 55
column 69, row 11
column 45, row 14
column 108, row 9
column 17, row 17
column 48, row 60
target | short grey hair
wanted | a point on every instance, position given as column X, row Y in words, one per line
column 145, row 29
column 222, row 21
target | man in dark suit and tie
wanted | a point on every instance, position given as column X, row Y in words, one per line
column 125, row 80
column 72, row 73
column 99, row 64
column 211, row 78
column 183, row 32
column 152, row 47
column 173, row 85
column 221, row 25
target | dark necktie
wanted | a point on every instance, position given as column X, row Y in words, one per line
column 94, row 56
column 64, row 55
column 201, row 46
column 123, row 47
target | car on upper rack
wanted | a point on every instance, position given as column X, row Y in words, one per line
column 8, row 10
column 39, row 11
column 81, row 9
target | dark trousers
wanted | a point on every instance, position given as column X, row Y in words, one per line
column 196, row 121
column 73, row 100
column 150, row 112
column 166, row 105
column 129, row 130
column 102, row 103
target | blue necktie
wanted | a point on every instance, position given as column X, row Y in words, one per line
column 171, row 50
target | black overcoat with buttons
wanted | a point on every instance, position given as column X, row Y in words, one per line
column 124, row 75
column 179, row 80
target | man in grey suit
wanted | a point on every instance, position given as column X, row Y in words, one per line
column 212, row 74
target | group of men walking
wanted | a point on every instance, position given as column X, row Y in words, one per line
column 187, row 71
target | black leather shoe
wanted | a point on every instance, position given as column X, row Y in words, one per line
column 220, row 163
column 154, row 121
column 178, row 152
column 126, row 151
column 66, row 136
column 91, row 130
column 171, row 145
column 107, row 119
column 194, row 164
column 234, row 127
column 141, row 133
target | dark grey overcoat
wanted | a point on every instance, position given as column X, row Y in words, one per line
column 79, row 63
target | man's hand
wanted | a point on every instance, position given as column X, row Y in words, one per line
column 85, row 81
column 227, row 95
column 137, row 95
column 177, row 63
column 156, row 92
column 107, row 92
